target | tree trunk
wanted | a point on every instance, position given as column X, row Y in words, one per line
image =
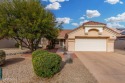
column 20, row 45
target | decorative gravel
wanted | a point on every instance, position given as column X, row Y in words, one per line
column 15, row 51
column 18, row 69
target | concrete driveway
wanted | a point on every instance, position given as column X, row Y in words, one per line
column 105, row 67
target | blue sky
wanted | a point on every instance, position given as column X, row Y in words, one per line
column 75, row 12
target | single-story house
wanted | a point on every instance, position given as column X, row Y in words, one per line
column 91, row 36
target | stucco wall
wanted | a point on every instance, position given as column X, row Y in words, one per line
column 71, row 45
column 81, row 32
column 120, row 44
column 10, row 43
column 7, row 43
column 111, row 36
column 110, row 45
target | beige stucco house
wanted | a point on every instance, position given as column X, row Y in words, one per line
column 91, row 36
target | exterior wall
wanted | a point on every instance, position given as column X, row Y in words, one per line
column 78, row 32
column 110, row 45
column 71, row 45
column 66, row 44
column 7, row 43
column 93, row 32
column 10, row 43
column 81, row 32
column 120, row 44
column 106, row 33
column 100, row 29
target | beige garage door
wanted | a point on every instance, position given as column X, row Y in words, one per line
column 90, row 44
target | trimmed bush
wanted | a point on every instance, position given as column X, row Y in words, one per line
column 2, row 57
column 38, row 53
column 46, row 64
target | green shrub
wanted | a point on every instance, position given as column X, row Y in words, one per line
column 38, row 53
column 2, row 57
column 50, row 47
column 45, row 64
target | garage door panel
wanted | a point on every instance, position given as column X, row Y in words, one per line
column 90, row 44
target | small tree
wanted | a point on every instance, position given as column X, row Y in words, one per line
column 52, row 37
column 26, row 21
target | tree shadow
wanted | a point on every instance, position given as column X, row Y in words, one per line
column 63, row 63
column 12, row 61
column 68, row 59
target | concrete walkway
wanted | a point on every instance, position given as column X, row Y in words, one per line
column 120, row 51
column 60, row 50
column 105, row 67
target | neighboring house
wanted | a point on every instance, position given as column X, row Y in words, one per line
column 91, row 36
column 120, row 41
column 7, row 43
column 11, row 43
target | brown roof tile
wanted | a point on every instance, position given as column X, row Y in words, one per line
column 116, row 30
column 93, row 23
column 63, row 33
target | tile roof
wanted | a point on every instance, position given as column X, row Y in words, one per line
column 88, row 23
column 63, row 32
column 93, row 23
column 121, row 30
column 116, row 30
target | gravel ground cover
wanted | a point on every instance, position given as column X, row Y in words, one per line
column 14, row 51
column 18, row 69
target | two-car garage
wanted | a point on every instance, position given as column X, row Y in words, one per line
column 90, row 44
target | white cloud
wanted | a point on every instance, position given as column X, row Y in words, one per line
column 82, row 18
column 92, row 13
column 121, row 2
column 115, row 21
column 83, row 22
column 115, row 25
column 53, row 6
column 80, row 23
column 75, row 24
column 118, row 18
column 113, row 1
column 65, row 20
